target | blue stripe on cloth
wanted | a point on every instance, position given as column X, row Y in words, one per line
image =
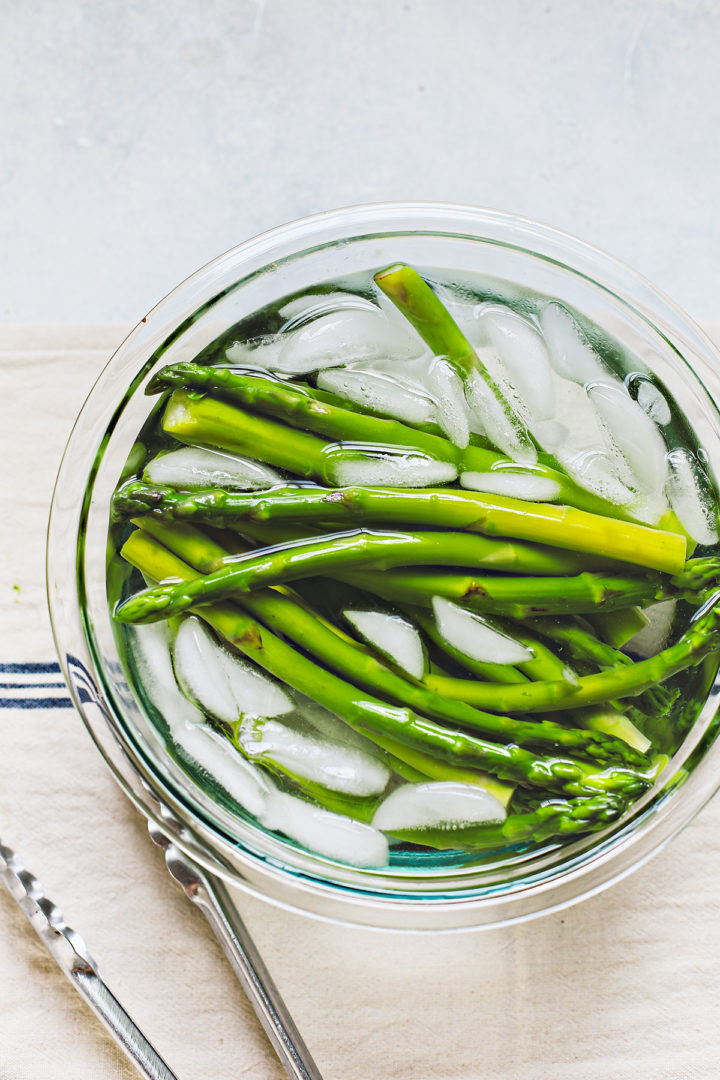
column 32, row 686
column 31, row 669
column 36, row 703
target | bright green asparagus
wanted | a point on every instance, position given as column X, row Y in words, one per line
column 282, row 614
column 493, row 515
column 368, row 714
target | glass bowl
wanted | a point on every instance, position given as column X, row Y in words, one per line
column 431, row 892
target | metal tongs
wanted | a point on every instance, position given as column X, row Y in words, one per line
column 71, row 954
column 215, row 902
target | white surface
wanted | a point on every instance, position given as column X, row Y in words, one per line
column 140, row 140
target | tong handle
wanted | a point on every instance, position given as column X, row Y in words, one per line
column 212, row 897
column 70, row 952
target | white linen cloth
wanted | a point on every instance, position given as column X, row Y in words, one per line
column 624, row 985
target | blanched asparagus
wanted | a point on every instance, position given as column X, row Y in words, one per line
column 701, row 639
column 282, row 614
column 369, row 715
column 556, row 817
column 304, row 407
column 494, row 516
column 436, row 326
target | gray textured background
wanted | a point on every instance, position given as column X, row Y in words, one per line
column 139, row 140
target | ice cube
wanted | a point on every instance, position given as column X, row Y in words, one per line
column 586, row 452
column 633, row 433
column 330, row 727
column 219, row 759
column 219, row 682
column 446, row 389
column 391, row 469
column 343, row 337
column 524, row 356
column 331, row 764
column 504, row 428
column 648, row 508
column 691, row 497
column 571, row 353
column 151, row 651
column 261, row 354
column 393, row 636
column 475, row 637
column 309, row 306
column 331, row 835
column 437, row 804
column 517, row 485
column 379, row 393
column 655, row 635
column 193, row 466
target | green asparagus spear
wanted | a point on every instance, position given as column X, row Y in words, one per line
column 617, row 627
column 701, row 639
column 436, row 326
column 583, row 645
column 304, row 407
column 282, row 614
column 300, row 407
column 524, row 597
column 206, row 422
column 519, row 597
column 369, row 715
column 541, row 523
column 555, row 817
column 377, row 550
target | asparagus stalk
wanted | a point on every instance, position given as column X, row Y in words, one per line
column 206, row 422
column 557, row 526
column 316, row 412
column 583, row 645
column 612, row 721
column 282, row 614
column 370, row 715
column 381, row 551
column 526, row 598
column 436, row 326
column 545, row 666
column 518, row 597
column 555, row 817
column 617, row 627
column 701, row 639
column 302, row 407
